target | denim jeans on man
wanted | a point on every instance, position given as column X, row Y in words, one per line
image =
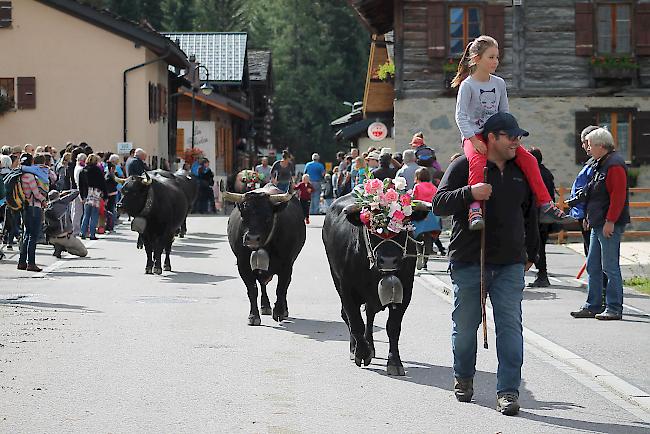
column 91, row 217
column 314, row 208
column 505, row 285
column 32, row 216
column 604, row 255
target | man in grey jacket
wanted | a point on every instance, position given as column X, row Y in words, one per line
column 59, row 227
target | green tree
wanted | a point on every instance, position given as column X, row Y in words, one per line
column 221, row 16
column 152, row 12
column 178, row 15
column 320, row 55
column 129, row 9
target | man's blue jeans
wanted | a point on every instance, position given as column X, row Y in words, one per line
column 32, row 217
column 505, row 285
column 314, row 208
column 89, row 222
column 604, row 257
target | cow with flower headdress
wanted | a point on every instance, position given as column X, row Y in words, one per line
column 368, row 240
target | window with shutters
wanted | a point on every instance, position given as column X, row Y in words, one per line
column 5, row 14
column 619, row 123
column 7, row 90
column 614, row 28
column 26, row 93
column 464, row 26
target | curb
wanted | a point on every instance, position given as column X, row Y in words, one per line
column 620, row 387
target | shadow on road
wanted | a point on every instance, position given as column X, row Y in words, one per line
column 203, row 240
column 42, row 305
column 203, row 235
column 317, row 330
column 190, row 277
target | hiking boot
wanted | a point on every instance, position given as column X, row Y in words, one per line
column 476, row 222
column 464, row 389
column 33, row 267
column 22, row 266
column 540, row 282
column 507, row 403
column 550, row 213
column 609, row 316
column 583, row 313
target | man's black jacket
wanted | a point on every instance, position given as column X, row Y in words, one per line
column 512, row 234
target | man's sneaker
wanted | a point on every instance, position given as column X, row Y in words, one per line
column 22, row 266
column 33, row 267
column 550, row 213
column 608, row 316
column 507, row 403
column 540, row 282
column 476, row 222
column 464, row 389
column 583, row 313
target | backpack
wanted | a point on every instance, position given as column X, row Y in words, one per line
column 14, row 190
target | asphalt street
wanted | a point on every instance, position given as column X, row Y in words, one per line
column 95, row 345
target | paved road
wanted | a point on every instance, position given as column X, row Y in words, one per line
column 94, row 345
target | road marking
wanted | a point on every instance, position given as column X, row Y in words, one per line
column 555, row 279
column 56, row 265
column 617, row 390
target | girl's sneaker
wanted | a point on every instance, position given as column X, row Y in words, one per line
column 550, row 213
column 476, row 222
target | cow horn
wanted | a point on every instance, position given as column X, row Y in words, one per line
column 146, row 180
column 353, row 208
column 421, row 205
column 233, row 197
column 280, row 198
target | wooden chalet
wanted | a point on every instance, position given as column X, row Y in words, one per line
column 567, row 64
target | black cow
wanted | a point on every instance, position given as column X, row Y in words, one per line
column 159, row 206
column 186, row 182
column 383, row 278
column 266, row 231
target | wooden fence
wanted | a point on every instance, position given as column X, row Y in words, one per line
column 563, row 194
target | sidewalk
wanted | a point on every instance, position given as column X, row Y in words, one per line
column 613, row 353
column 635, row 257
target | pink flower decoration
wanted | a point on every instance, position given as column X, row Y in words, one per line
column 373, row 185
column 399, row 216
column 365, row 217
column 391, row 196
column 405, row 200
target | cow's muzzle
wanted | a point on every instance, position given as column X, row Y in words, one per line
column 390, row 290
column 387, row 264
column 252, row 241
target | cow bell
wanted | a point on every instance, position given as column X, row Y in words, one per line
column 138, row 224
column 390, row 290
column 260, row 260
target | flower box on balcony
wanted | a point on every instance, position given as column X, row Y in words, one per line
column 616, row 73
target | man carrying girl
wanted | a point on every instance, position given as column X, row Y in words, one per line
column 482, row 94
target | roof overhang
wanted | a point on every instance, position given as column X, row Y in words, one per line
column 222, row 103
column 156, row 42
column 376, row 15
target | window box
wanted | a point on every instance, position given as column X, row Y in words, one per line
column 613, row 73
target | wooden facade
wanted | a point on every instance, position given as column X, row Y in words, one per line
column 549, row 50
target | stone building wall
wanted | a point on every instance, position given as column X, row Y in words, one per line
column 550, row 121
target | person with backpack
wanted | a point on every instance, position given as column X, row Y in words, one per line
column 34, row 201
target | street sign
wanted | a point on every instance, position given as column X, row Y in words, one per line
column 377, row 131
column 124, row 147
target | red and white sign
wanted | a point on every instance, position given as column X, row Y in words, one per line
column 377, row 131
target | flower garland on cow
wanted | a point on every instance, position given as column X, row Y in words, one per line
column 251, row 179
column 386, row 206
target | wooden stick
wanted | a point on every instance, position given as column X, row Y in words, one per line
column 483, row 288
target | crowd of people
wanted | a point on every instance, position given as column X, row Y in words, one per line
column 56, row 197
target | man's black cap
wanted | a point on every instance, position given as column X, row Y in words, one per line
column 505, row 122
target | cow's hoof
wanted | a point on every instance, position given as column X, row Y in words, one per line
column 254, row 320
column 168, row 267
column 148, row 270
column 181, row 235
column 265, row 310
column 397, row 371
column 157, row 270
column 277, row 316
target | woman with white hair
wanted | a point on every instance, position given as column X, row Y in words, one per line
column 607, row 213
